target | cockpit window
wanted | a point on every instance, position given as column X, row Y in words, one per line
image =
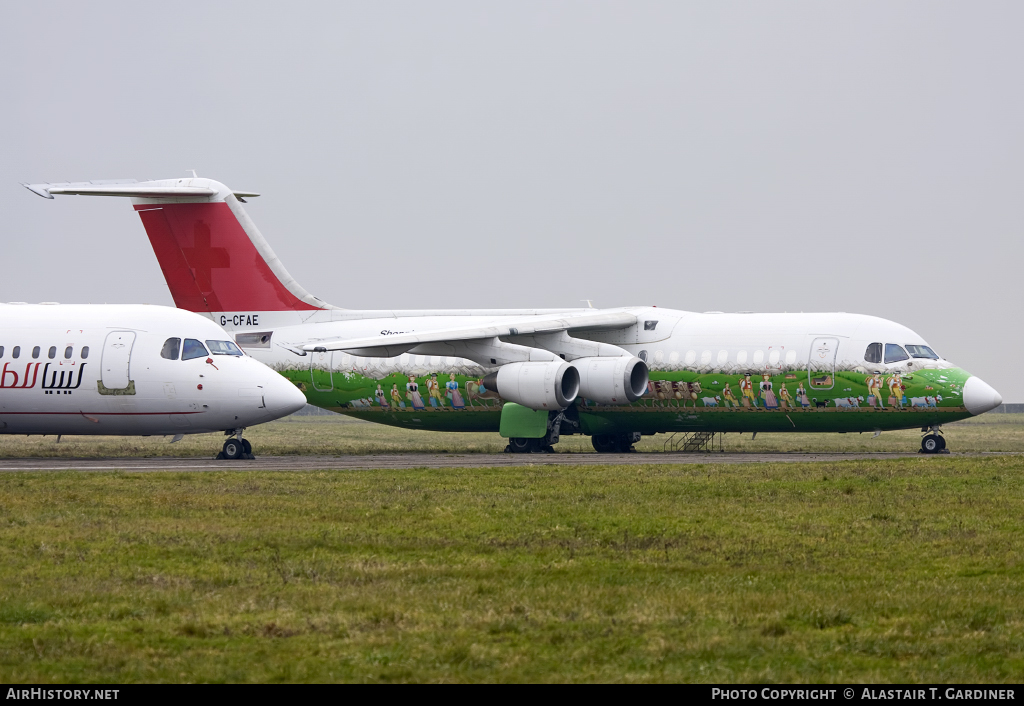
column 193, row 349
column 894, row 353
column 170, row 349
column 223, row 348
column 874, row 353
column 922, row 352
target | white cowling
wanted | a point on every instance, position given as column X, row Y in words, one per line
column 548, row 385
column 607, row 380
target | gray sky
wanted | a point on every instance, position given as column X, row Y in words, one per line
column 768, row 156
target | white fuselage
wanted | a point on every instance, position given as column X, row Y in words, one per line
column 98, row 369
column 667, row 339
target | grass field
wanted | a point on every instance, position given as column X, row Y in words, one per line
column 906, row 570
column 336, row 434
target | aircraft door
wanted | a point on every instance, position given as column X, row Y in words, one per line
column 821, row 365
column 320, row 370
column 116, row 361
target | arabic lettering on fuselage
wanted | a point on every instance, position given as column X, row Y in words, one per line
column 10, row 379
column 54, row 384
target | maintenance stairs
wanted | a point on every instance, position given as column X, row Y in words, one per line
column 689, row 441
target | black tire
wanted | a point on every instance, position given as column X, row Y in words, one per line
column 626, row 444
column 519, row 445
column 942, row 443
column 233, row 449
column 605, row 443
column 246, row 447
column 931, row 444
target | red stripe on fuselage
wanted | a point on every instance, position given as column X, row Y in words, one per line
column 209, row 261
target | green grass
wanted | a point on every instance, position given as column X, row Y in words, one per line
column 336, row 434
column 904, row 570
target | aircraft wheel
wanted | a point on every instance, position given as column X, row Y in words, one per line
column 931, row 444
column 233, row 449
column 605, row 443
column 942, row 443
column 626, row 442
column 247, row 450
column 523, row 446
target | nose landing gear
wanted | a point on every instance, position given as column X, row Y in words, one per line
column 933, row 442
column 236, row 447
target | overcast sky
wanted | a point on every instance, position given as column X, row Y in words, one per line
column 767, row 156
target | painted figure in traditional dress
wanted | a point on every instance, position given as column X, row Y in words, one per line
column 874, row 383
column 896, row 389
column 747, row 392
column 412, row 393
column 766, row 392
column 382, row 399
column 453, row 392
column 787, row 399
column 396, row 397
column 801, row 395
column 729, row 400
column 434, row 392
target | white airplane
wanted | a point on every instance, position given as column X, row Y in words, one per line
column 131, row 371
column 613, row 374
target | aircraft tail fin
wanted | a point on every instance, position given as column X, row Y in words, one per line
column 211, row 253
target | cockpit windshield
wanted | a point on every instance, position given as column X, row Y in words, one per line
column 922, row 352
column 223, row 348
column 894, row 353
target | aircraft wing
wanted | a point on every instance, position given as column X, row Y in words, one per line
column 596, row 319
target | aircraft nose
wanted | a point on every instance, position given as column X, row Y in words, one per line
column 979, row 396
column 282, row 397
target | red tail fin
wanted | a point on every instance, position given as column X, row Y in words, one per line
column 210, row 262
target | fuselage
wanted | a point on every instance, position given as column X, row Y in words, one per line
column 128, row 370
column 708, row 371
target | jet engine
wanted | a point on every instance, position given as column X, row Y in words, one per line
column 608, row 380
column 547, row 385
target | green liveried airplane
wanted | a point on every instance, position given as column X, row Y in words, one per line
column 534, row 374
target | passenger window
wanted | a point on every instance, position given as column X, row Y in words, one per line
column 85, row 352
column 874, row 353
column 35, row 352
column 922, row 352
column 16, row 352
column 68, row 352
column 1, row 351
column 895, row 353
column 223, row 348
column 52, row 353
column 170, row 349
column 193, row 349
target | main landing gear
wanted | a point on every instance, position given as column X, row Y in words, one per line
column 236, row 447
column 615, row 443
column 529, row 446
column 933, row 442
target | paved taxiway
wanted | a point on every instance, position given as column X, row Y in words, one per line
column 396, row 461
